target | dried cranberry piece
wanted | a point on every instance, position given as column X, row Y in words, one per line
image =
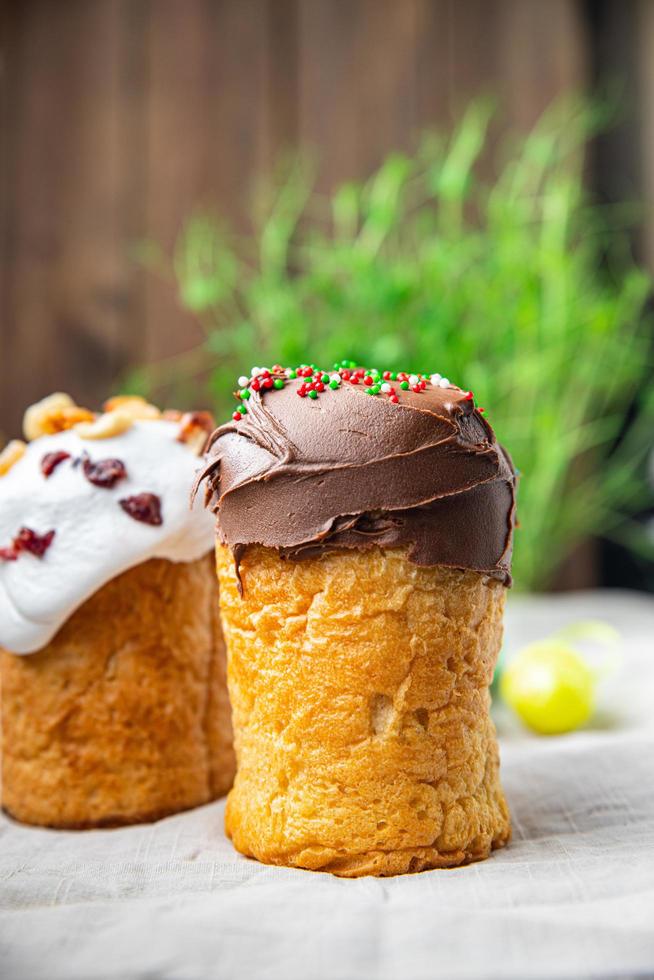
column 27, row 540
column 51, row 461
column 143, row 507
column 36, row 544
column 104, row 472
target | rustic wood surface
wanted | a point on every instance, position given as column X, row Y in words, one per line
column 121, row 116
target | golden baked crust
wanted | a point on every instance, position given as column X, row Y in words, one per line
column 359, row 687
column 124, row 716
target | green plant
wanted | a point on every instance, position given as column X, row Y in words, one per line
column 517, row 287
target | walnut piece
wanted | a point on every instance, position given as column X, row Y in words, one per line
column 195, row 428
column 56, row 413
column 134, row 405
column 10, row 455
column 105, row 426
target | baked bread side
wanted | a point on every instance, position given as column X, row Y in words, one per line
column 122, row 717
column 359, row 684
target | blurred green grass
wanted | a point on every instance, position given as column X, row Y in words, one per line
column 517, row 286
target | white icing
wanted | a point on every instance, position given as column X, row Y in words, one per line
column 95, row 539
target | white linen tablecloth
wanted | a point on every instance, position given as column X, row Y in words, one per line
column 572, row 896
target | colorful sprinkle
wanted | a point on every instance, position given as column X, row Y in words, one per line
column 315, row 381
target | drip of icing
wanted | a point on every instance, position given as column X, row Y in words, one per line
column 95, row 538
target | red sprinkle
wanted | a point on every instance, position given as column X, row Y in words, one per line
column 367, row 380
column 393, row 398
column 416, row 388
column 318, row 386
column 104, row 472
column 236, row 416
column 468, row 396
column 255, row 385
column 302, row 392
column 386, row 375
column 51, row 461
column 354, row 380
column 345, row 375
column 145, row 507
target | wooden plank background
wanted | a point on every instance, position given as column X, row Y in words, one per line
column 120, row 116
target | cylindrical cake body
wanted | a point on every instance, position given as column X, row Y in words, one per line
column 359, row 686
column 124, row 715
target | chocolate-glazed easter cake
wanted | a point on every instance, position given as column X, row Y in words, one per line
column 364, row 523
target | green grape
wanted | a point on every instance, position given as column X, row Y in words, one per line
column 550, row 687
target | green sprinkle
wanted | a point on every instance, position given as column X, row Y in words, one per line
column 404, row 385
column 375, row 389
column 292, row 375
column 393, row 376
column 244, row 393
column 324, row 378
column 278, row 383
column 242, row 409
column 313, row 394
column 334, row 384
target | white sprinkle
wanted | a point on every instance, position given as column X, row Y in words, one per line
column 243, row 382
column 413, row 379
column 256, row 371
column 386, row 387
column 335, row 377
column 435, row 379
column 444, row 383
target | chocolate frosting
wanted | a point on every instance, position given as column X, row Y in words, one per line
column 350, row 470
